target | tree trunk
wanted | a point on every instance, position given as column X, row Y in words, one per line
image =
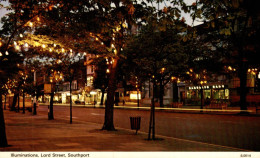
column 70, row 104
column 138, row 104
column 161, row 93
column 3, row 140
column 5, row 103
column 243, row 90
column 23, row 103
column 50, row 114
column 201, row 98
column 34, row 106
column 18, row 100
column 102, row 97
column 14, row 102
column 152, row 117
column 109, row 108
column 175, row 92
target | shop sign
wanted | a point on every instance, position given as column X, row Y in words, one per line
column 207, row 87
column 218, row 86
column 198, row 87
column 47, row 88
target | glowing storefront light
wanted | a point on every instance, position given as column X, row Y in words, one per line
column 93, row 93
column 133, row 95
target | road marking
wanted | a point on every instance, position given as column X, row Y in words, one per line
column 72, row 117
column 96, row 114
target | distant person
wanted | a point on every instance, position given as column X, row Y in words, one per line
column 207, row 102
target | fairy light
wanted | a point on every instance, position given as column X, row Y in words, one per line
column 43, row 46
column 163, row 69
column 173, row 78
column 30, row 24
column 6, row 53
column 50, row 50
column 17, row 47
column 21, row 35
column 62, row 50
column 117, row 29
column 26, row 45
column 1, row 54
column 115, row 51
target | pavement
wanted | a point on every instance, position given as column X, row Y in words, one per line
column 27, row 132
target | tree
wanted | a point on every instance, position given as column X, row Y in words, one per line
column 236, row 24
column 9, row 61
column 159, row 55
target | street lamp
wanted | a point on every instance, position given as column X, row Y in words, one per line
column 55, row 77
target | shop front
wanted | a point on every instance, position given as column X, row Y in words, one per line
column 216, row 93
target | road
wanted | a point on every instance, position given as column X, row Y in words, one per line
column 232, row 131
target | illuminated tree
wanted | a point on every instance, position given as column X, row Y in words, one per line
column 9, row 61
column 235, row 25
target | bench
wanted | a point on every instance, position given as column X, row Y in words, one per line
column 217, row 106
column 176, row 104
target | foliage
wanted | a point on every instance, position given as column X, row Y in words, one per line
column 158, row 54
column 235, row 26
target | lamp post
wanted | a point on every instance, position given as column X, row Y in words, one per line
column 34, row 100
column 137, row 89
column 55, row 77
column 202, row 82
column 24, row 77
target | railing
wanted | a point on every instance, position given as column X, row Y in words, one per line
column 176, row 104
column 216, row 106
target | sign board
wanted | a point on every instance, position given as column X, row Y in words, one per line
column 47, row 88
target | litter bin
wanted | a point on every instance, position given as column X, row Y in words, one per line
column 135, row 123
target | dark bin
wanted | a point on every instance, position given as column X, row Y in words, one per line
column 29, row 109
column 135, row 123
